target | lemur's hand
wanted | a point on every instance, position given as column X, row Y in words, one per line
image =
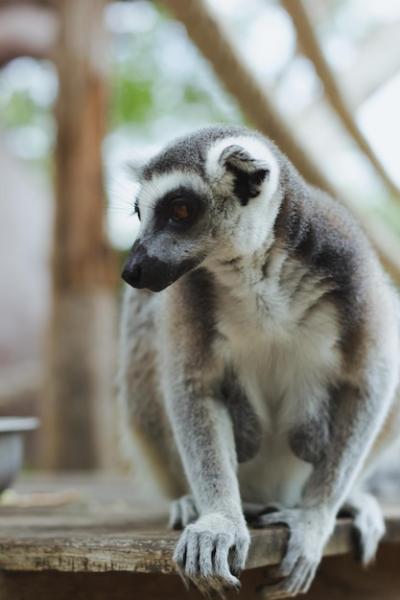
column 309, row 531
column 212, row 552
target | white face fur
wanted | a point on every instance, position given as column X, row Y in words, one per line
column 224, row 209
column 247, row 229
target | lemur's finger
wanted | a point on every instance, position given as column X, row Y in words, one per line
column 237, row 556
column 221, row 563
column 309, row 580
column 192, row 566
column 180, row 552
column 272, row 518
column 206, row 548
column 291, row 560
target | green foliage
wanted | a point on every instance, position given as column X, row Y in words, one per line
column 157, row 73
column 132, row 99
column 18, row 110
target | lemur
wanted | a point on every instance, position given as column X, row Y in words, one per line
column 265, row 370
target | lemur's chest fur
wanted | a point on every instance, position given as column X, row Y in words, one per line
column 280, row 333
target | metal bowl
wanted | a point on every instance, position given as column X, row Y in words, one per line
column 11, row 446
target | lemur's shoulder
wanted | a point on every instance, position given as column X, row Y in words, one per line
column 189, row 306
column 322, row 234
column 319, row 231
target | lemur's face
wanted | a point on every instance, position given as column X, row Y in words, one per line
column 207, row 196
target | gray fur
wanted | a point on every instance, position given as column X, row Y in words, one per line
column 268, row 374
column 188, row 153
column 246, row 426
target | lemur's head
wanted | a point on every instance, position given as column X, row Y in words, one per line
column 212, row 195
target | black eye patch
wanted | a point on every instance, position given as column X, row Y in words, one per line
column 178, row 210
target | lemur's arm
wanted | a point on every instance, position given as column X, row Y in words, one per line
column 216, row 544
column 336, row 446
column 204, row 435
column 214, row 548
column 357, row 414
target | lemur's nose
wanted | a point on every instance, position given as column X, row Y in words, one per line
column 132, row 274
column 144, row 271
column 133, row 269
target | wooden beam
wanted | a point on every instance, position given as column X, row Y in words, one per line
column 76, row 410
column 213, row 41
column 372, row 67
column 123, row 545
column 338, row 578
column 114, row 526
column 310, row 46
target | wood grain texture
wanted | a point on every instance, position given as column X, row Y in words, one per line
column 339, row 578
column 129, row 546
column 115, row 529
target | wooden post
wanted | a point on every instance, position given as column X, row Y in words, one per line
column 76, row 408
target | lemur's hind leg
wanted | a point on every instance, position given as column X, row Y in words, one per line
column 146, row 439
column 368, row 523
column 362, row 506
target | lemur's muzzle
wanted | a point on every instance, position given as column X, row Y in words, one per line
column 144, row 271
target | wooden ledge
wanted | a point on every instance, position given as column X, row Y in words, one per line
column 99, row 531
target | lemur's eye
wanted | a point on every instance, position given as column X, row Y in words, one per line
column 180, row 211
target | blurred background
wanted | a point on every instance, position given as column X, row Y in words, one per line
column 87, row 87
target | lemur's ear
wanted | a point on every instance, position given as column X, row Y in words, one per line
column 248, row 172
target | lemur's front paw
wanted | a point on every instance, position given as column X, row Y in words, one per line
column 182, row 512
column 212, row 552
column 309, row 530
column 369, row 525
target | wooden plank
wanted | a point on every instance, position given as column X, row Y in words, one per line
column 111, row 527
column 131, row 547
column 338, row 578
